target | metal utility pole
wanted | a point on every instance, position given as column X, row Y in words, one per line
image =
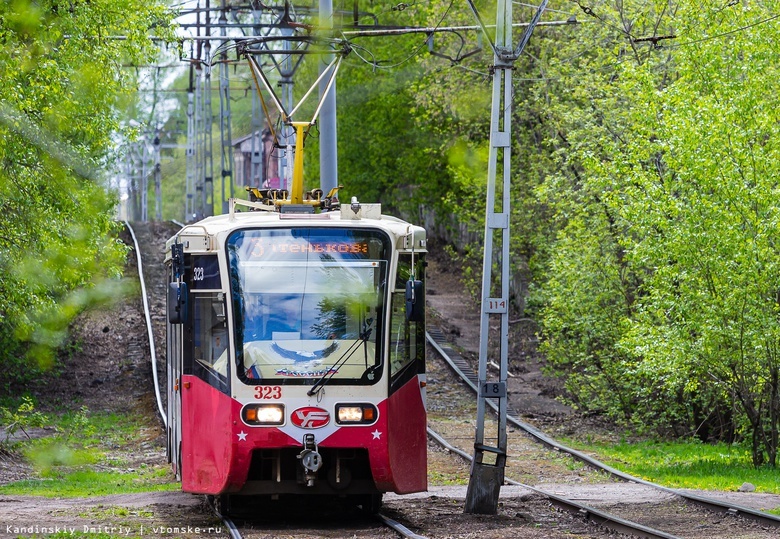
column 157, row 171
column 200, row 145
column 132, row 185
column 487, row 468
column 224, row 116
column 329, row 173
column 199, row 160
column 208, row 118
column 287, row 133
column 256, row 169
column 259, row 164
column 144, row 152
column 189, row 204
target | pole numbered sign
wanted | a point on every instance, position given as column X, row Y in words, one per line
column 496, row 305
column 493, row 390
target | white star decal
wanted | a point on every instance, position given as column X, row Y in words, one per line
column 241, row 436
column 377, row 434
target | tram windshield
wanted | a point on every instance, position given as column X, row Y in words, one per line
column 307, row 304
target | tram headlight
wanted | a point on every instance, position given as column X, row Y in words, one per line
column 263, row 414
column 355, row 414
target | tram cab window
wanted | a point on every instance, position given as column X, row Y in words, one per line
column 407, row 338
column 277, row 317
column 307, row 304
column 209, row 339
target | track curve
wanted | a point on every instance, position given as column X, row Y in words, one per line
column 459, row 365
column 596, row 515
column 149, row 329
column 233, row 530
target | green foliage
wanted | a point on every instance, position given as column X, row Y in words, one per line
column 390, row 149
column 94, row 483
column 383, row 152
column 643, row 200
column 688, row 464
column 78, row 459
column 62, row 80
column 24, row 417
column 662, row 299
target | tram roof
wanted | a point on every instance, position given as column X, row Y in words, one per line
column 221, row 225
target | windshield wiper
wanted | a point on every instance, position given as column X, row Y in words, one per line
column 348, row 353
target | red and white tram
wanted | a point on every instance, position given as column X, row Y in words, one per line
column 296, row 353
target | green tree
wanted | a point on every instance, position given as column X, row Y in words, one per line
column 390, row 147
column 674, row 155
column 62, row 79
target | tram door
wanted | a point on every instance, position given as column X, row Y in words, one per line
column 204, row 394
column 174, row 363
column 406, row 404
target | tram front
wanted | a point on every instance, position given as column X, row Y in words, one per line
column 320, row 332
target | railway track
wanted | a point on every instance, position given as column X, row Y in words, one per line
column 229, row 525
column 770, row 523
column 353, row 524
column 394, row 521
column 149, row 326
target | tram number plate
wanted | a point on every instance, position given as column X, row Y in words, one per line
column 493, row 390
column 268, row 392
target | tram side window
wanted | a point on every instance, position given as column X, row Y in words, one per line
column 407, row 339
column 209, row 339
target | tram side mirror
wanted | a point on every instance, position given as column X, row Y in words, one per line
column 177, row 303
column 415, row 301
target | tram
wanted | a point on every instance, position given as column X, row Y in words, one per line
column 296, row 351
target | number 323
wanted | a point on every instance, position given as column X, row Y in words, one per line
column 268, row 392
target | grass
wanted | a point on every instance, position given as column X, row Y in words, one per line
column 446, row 479
column 86, row 456
column 112, row 511
column 688, row 465
column 82, row 483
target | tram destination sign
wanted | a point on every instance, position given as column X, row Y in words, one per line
column 294, row 247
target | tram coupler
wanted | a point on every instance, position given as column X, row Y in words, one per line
column 310, row 459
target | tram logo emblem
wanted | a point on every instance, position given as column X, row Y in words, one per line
column 310, row 417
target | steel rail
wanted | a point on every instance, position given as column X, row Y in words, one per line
column 232, row 529
column 149, row 331
column 398, row 527
column 387, row 521
column 231, row 526
column 463, row 369
column 598, row 516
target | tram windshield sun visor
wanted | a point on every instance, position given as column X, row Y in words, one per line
column 304, row 301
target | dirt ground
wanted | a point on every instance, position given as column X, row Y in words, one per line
column 110, row 371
